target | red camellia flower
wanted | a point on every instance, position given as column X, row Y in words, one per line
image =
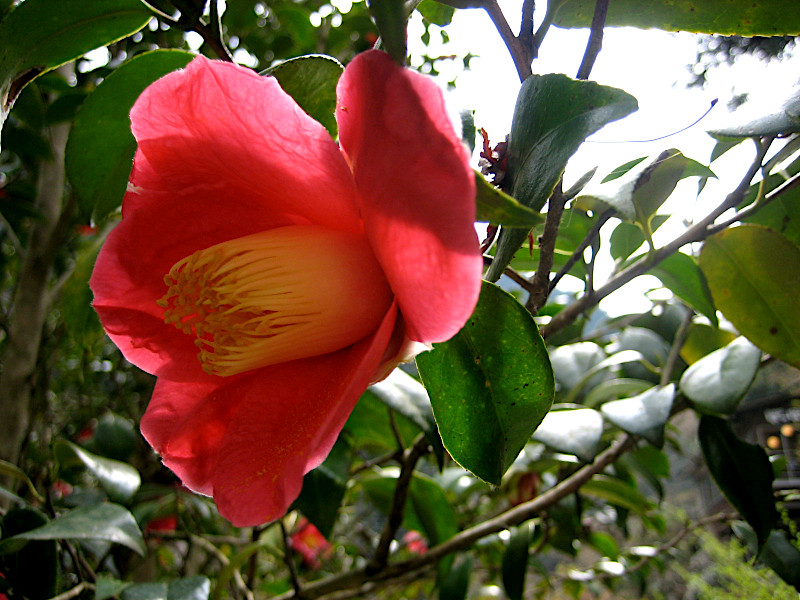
column 266, row 274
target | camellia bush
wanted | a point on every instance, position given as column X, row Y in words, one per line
column 253, row 345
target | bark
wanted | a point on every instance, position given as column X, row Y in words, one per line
column 30, row 304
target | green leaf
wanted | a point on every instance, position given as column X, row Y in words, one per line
column 644, row 415
column 197, row 587
column 490, row 385
column 497, row 207
column 627, row 238
column 101, row 146
column 408, row 397
column 719, row 380
column 783, row 557
column 681, row 275
column 103, row 521
column 515, row 562
column 702, row 340
column 39, row 35
column 726, row 17
column 617, row 492
column 782, row 214
column 455, row 584
column 324, row 488
column 573, row 431
column 391, row 18
column 311, row 80
column 781, row 118
column 604, row 544
column 119, row 480
column 108, row 587
column 613, row 389
column 743, row 473
column 552, row 117
column 752, row 273
column 79, row 316
column 436, row 12
column 32, row 570
column 8, row 469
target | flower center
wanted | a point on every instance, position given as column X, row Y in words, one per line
column 276, row 296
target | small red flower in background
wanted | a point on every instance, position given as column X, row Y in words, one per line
column 60, row 489
column 309, row 543
column 267, row 275
column 167, row 523
column 415, row 543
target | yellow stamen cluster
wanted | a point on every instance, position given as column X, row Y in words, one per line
column 275, row 296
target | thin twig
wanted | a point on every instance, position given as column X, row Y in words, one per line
column 74, row 592
column 212, row 33
column 514, row 516
column 287, row 555
column 696, row 233
column 520, row 56
column 547, row 246
column 675, row 349
column 595, row 43
column 578, row 253
column 410, row 458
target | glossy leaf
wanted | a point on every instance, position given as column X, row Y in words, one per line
column 515, row 562
column 752, row 273
column 324, row 488
column 681, row 275
column 783, row 557
column 490, row 385
column 408, row 397
column 118, row 479
column 108, row 587
column 390, row 18
column 197, row 587
column 726, row 17
column 718, row 381
column 103, row 521
column 101, row 146
column 743, row 473
column 497, row 207
column 645, row 415
column 311, row 81
column 702, row 340
column 614, row 389
column 782, row 118
column 455, row 584
column 573, row 431
column 39, row 35
column 552, row 117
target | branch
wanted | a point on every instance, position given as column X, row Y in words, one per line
column 357, row 578
column 540, row 283
column 595, row 43
column 675, row 349
column 587, row 241
column 520, row 56
column 696, row 233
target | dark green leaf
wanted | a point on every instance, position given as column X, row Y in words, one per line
column 407, row 396
column 552, row 117
column 33, row 570
column 644, row 415
column 324, row 489
column 455, row 584
column 311, row 81
column 719, row 380
column 783, row 557
column 40, row 35
column 604, row 544
column 108, row 587
column 497, row 207
column 727, row 17
column 782, row 214
column 490, row 385
column 743, row 473
column 189, row 588
column 573, row 431
column 515, row 562
column 119, row 480
column 104, row 521
column 752, row 273
column 622, row 169
column 80, row 318
column 390, row 18
column 100, row 148
column 681, row 275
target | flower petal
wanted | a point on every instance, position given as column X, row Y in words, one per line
column 249, row 442
column 220, row 131
column 416, row 192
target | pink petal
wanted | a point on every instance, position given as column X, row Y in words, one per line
column 221, row 132
column 416, row 191
column 250, row 441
